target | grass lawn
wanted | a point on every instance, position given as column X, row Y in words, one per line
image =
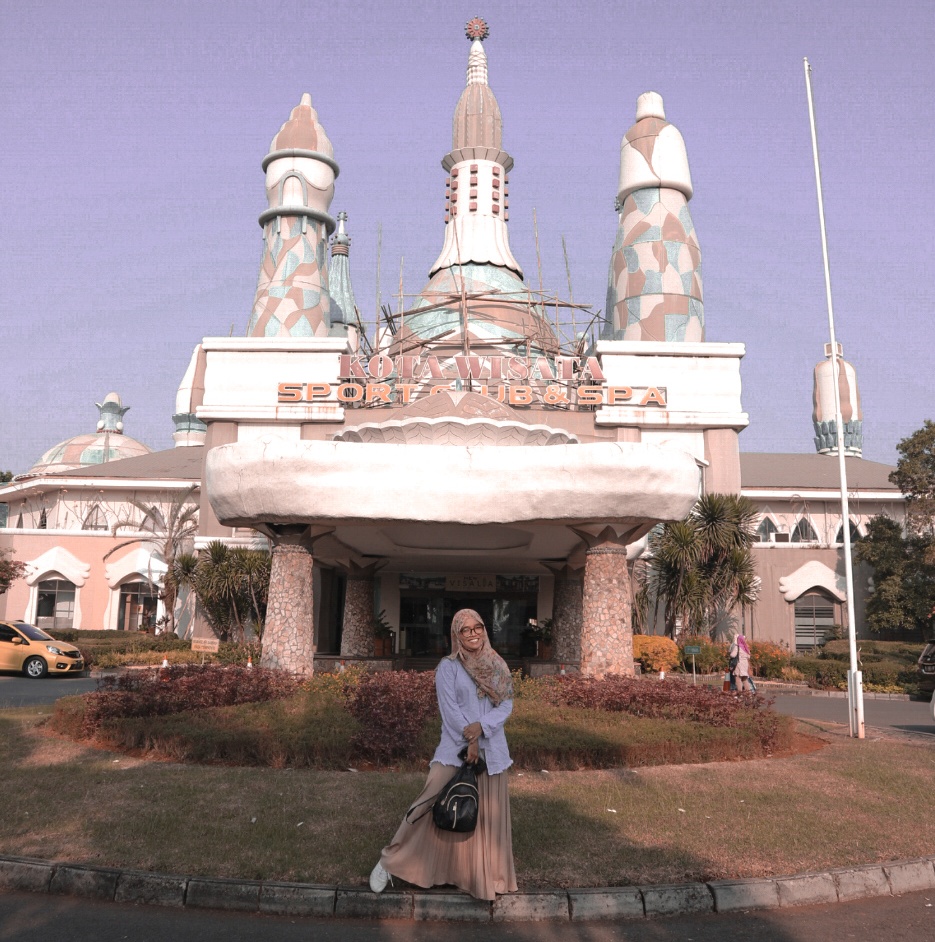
column 851, row 802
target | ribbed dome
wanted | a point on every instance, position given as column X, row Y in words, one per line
column 108, row 444
column 83, row 450
column 302, row 131
column 477, row 121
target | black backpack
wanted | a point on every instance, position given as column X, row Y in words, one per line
column 455, row 807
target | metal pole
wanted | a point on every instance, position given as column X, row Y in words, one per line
column 855, row 696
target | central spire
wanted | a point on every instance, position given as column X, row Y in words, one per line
column 477, row 185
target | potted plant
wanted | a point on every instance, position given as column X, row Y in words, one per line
column 544, row 639
column 383, row 636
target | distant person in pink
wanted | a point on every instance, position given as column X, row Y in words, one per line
column 739, row 655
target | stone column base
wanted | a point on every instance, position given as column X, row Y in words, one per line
column 289, row 633
column 357, row 629
column 606, row 632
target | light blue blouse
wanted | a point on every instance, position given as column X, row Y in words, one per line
column 460, row 706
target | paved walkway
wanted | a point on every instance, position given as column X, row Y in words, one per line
column 26, row 917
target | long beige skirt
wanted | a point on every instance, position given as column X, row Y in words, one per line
column 480, row 863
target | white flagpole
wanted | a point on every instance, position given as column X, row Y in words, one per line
column 855, row 695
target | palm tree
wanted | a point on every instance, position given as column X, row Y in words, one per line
column 701, row 569
column 231, row 585
column 169, row 529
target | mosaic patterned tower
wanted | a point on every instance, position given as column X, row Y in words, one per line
column 654, row 287
column 292, row 298
column 823, row 411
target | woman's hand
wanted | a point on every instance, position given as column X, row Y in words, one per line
column 473, row 752
column 472, row 732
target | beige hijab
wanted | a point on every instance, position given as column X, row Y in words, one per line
column 486, row 668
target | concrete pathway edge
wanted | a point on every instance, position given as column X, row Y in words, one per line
column 587, row 903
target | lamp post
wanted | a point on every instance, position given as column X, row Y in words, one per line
column 855, row 695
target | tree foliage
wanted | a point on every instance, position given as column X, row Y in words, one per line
column 701, row 569
column 903, row 596
column 915, row 477
column 168, row 530
column 6, row 477
column 231, row 585
column 10, row 570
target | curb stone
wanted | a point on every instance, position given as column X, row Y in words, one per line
column 577, row 904
column 673, row 898
column 733, row 895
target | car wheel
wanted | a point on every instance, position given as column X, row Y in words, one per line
column 35, row 667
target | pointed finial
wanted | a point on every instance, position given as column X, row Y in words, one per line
column 340, row 241
column 477, row 29
column 306, row 99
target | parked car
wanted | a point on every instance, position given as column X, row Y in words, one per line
column 26, row 648
column 927, row 669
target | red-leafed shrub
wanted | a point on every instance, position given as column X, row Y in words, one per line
column 665, row 700
column 392, row 709
column 181, row 688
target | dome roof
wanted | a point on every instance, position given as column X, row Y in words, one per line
column 107, row 444
column 83, row 450
column 303, row 131
column 500, row 308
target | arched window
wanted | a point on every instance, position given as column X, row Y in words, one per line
column 804, row 533
column 137, row 606
column 765, row 531
column 95, row 520
column 55, row 605
column 43, row 520
column 814, row 617
column 855, row 533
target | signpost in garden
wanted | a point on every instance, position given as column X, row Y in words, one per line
column 693, row 649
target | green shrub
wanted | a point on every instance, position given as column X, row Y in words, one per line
column 871, row 651
column 713, row 657
column 822, row 673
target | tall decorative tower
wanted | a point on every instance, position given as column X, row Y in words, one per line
column 654, row 286
column 476, row 263
column 292, row 297
column 823, row 411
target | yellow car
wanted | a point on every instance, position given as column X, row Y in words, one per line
column 29, row 649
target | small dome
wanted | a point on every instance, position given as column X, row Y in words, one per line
column 107, row 444
column 84, row 450
column 303, row 131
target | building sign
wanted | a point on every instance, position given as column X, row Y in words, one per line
column 562, row 382
column 206, row 645
column 468, row 583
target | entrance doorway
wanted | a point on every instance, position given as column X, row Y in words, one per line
column 426, row 612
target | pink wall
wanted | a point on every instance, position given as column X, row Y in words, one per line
column 92, row 598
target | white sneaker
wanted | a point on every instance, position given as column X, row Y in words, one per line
column 379, row 878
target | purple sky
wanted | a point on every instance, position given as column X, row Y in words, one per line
column 131, row 136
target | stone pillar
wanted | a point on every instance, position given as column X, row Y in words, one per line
column 566, row 617
column 289, row 633
column 357, row 628
column 606, row 632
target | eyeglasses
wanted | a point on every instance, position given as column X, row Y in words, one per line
column 467, row 630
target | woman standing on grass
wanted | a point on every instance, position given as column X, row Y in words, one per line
column 475, row 698
column 741, row 651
